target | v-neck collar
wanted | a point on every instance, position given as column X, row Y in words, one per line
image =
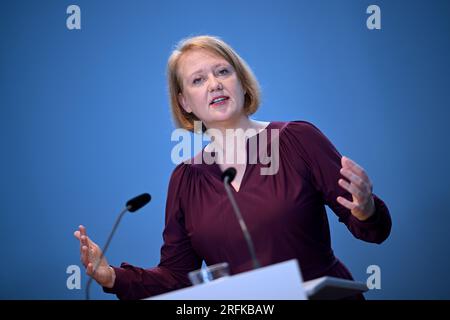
column 216, row 171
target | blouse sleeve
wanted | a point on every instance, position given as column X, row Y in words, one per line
column 324, row 164
column 177, row 255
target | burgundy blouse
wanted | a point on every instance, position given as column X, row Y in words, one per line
column 285, row 214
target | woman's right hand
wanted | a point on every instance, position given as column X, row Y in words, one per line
column 90, row 254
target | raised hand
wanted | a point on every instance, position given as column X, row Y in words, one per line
column 90, row 254
column 359, row 185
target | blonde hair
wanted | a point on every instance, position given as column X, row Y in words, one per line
column 215, row 45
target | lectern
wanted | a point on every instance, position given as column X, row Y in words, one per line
column 281, row 281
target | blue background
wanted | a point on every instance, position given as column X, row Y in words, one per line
column 85, row 125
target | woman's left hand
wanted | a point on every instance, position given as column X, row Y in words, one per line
column 359, row 185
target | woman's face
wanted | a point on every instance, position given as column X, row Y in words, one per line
column 211, row 88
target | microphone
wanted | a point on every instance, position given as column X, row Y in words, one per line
column 132, row 205
column 138, row 202
column 227, row 177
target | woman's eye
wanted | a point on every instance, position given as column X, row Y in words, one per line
column 197, row 80
column 223, row 72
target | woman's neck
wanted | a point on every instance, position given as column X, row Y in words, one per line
column 244, row 125
column 242, row 122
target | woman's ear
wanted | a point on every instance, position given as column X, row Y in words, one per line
column 182, row 102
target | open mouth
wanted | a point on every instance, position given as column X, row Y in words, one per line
column 217, row 101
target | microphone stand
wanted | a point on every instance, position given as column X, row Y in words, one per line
column 248, row 239
column 132, row 205
column 111, row 234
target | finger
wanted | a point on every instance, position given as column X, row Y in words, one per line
column 85, row 255
column 90, row 243
column 90, row 269
column 82, row 230
column 344, row 202
column 363, row 185
column 353, row 177
column 77, row 235
column 352, row 188
column 85, row 242
column 82, row 233
column 353, row 166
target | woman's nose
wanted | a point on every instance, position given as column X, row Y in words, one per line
column 214, row 84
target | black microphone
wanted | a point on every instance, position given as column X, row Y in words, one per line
column 132, row 205
column 138, row 202
column 227, row 177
